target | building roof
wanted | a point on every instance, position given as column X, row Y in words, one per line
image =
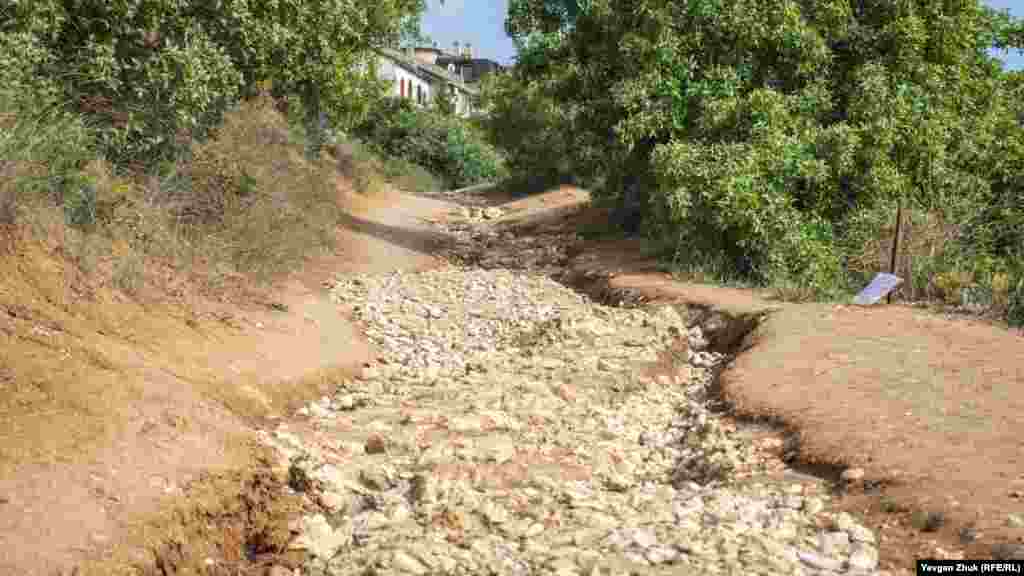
column 478, row 67
column 422, row 69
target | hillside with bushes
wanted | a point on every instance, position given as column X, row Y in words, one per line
column 772, row 142
column 138, row 121
column 164, row 170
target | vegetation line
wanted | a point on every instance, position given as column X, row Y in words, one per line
column 768, row 144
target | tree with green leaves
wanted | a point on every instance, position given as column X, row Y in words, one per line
column 154, row 70
column 444, row 101
column 761, row 130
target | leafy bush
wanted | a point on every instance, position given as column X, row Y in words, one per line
column 528, row 127
column 410, row 177
column 768, row 136
column 444, row 145
column 156, row 74
column 250, row 199
column 43, row 148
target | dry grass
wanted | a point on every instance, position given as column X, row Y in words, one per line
column 100, row 325
column 359, row 167
column 931, row 272
column 239, row 518
column 924, row 237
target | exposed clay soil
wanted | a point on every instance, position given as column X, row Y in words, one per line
column 927, row 406
column 113, row 410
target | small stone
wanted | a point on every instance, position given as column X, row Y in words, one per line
column 968, row 534
column 1008, row 551
column 793, row 501
column 832, row 542
column 1015, row 521
column 852, row 474
column 375, row 478
column 927, row 521
column 534, row 530
column 864, row 557
column 795, row 489
column 816, row 561
column 375, row 444
column 404, row 562
column 813, row 505
column 567, row 392
column 860, row 533
column 645, row 538
column 537, row 447
column 318, row 538
column 660, row 554
column 333, row 501
column 844, row 521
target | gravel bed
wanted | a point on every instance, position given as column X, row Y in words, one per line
column 514, row 426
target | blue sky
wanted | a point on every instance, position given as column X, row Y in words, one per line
column 481, row 22
column 1016, row 7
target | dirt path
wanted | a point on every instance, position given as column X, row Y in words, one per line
column 111, row 407
column 924, row 410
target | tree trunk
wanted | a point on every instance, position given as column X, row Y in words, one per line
column 316, row 121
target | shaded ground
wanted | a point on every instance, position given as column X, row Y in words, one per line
column 111, row 409
column 928, row 407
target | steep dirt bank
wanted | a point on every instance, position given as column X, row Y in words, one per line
column 116, row 409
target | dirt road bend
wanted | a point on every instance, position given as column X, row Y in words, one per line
column 511, row 425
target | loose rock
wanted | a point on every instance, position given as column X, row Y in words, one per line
column 515, row 428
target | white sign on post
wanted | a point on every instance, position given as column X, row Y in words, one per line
column 880, row 287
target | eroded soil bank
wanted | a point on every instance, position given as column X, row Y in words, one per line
column 919, row 410
column 503, row 417
column 408, row 498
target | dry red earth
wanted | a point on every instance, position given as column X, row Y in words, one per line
column 928, row 406
column 112, row 408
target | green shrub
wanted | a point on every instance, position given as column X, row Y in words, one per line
column 43, row 147
column 1015, row 296
column 154, row 75
column 410, row 177
column 529, row 129
column 772, row 138
column 447, row 146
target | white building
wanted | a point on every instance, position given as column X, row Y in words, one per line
column 421, row 81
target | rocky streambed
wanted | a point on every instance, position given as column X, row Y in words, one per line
column 512, row 425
